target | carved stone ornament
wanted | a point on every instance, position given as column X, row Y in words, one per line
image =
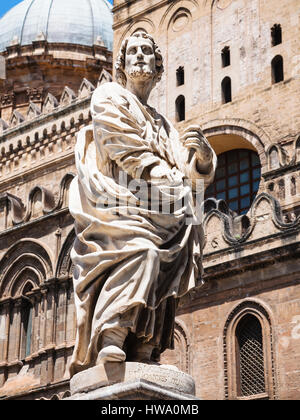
column 222, row 4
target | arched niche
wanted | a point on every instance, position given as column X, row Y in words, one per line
column 277, row 68
column 180, row 356
column 25, row 255
column 175, row 11
column 180, row 20
column 232, row 329
column 65, row 183
column 297, row 149
column 273, row 158
column 180, row 108
column 226, row 88
column 276, row 157
column 37, row 204
column 221, row 4
column 40, row 201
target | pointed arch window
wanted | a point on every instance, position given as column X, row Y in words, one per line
column 248, row 354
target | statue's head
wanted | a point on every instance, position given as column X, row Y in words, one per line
column 139, row 58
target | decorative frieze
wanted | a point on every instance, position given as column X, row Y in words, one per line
column 35, row 94
column 17, row 213
column 7, row 100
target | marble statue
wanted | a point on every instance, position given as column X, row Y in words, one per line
column 133, row 262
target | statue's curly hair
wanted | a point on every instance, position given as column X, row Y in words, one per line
column 120, row 62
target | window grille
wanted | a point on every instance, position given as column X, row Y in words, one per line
column 250, row 359
column 237, row 179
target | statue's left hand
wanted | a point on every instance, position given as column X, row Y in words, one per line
column 194, row 139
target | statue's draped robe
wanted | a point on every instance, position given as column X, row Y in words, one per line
column 130, row 266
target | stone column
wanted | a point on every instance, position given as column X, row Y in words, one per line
column 4, row 329
column 53, row 310
column 38, row 338
column 18, row 325
column 47, row 352
column 43, row 331
column 4, row 338
column 65, row 286
column 43, row 312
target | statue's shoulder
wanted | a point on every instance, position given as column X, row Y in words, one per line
column 108, row 90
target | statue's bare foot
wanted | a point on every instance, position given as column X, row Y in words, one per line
column 111, row 354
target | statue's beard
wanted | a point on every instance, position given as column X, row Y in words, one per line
column 141, row 73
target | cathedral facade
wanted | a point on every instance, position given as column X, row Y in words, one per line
column 232, row 67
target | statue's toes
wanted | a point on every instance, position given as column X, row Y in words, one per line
column 111, row 354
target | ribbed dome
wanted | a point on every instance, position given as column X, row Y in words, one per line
column 69, row 21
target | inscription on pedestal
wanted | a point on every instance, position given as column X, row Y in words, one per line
column 108, row 374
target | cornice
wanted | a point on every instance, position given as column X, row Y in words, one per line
column 43, row 119
column 28, row 225
column 57, row 162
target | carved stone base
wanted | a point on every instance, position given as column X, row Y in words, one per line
column 129, row 380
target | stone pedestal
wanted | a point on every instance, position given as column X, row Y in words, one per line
column 132, row 381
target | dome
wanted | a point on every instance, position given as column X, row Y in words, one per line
column 82, row 22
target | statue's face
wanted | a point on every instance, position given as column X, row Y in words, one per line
column 140, row 61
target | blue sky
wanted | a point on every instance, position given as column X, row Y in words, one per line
column 5, row 5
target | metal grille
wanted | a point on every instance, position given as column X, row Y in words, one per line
column 237, row 179
column 252, row 374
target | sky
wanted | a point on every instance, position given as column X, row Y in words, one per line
column 5, row 5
